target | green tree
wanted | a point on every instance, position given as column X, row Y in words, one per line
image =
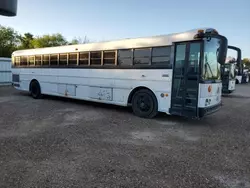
column 49, row 41
column 8, row 41
column 26, row 41
column 79, row 40
column 246, row 62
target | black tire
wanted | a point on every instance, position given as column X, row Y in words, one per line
column 35, row 90
column 144, row 104
column 237, row 81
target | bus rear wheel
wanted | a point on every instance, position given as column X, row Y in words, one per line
column 144, row 104
column 35, row 90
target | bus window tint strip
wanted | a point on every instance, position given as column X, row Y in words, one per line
column 144, row 52
column 155, row 56
column 125, row 53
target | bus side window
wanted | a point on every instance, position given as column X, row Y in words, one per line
column 125, row 57
column 31, row 60
column 53, row 59
column 62, row 59
column 72, row 58
column 161, row 55
column 108, row 57
column 95, row 58
column 84, row 58
column 194, row 57
column 38, row 59
column 142, row 56
column 24, row 61
column 45, row 60
column 17, row 61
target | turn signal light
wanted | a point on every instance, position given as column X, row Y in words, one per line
column 209, row 88
column 200, row 31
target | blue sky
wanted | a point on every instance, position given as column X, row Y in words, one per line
column 115, row 19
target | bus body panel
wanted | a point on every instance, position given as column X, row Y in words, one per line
column 231, row 85
column 111, row 86
column 239, row 78
column 113, row 79
column 212, row 98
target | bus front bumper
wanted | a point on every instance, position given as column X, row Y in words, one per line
column 209, row 110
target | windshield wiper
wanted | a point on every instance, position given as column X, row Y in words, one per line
column 207, row 65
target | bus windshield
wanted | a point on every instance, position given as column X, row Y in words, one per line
column 229, row 70
column 232, row 71
column 211, row 67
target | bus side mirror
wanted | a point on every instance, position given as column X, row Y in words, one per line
column 222, row 51
column 8, row 7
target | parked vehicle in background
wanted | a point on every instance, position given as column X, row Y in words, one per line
column 228, row 72
column 245, row 76
column 5, row 71
column 176, row 74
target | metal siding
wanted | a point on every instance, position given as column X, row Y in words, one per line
column 5, row 71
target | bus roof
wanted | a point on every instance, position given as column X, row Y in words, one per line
column 161, row 40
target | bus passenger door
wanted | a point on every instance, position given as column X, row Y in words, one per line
column 185, row 82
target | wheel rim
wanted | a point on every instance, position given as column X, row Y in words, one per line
column 144, row 103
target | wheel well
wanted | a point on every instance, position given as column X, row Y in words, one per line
column 34, row 80
column 135, row 90
column 237, row 81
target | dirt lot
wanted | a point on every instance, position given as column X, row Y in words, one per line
column 57, row 142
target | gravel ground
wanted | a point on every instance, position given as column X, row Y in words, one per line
column 57, row 142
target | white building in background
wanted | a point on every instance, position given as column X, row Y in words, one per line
column 5, row 71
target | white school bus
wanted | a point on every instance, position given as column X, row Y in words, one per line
column 178, row 74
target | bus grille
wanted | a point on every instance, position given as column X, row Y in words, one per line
column 15, row 78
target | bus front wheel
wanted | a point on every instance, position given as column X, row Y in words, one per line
column 35, row 90
column 144, row 104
